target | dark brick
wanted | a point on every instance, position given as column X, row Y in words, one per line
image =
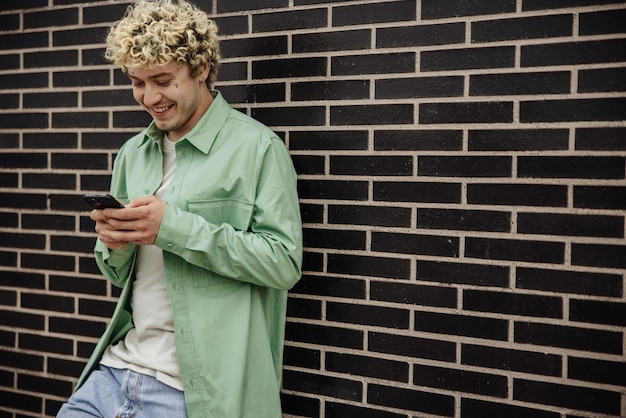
column 373, row 64
column 328, row 140
column 8, row 298
column 433, row 245
column 80, row 120
column 534, row 27
column 563, row 281
column 518, row 140
column 474, row 408
column 597, row 23
column 598, row 312
column 600, row 197
column 578, row 110
column 309, row 164
column 410, row 346
column 23, row 240
column 369, row 215
column 460, row 380
column 354, row 365
column 46, row 344
column 101, row 14
column 108, row 98
column 300, row 406
column 323, row 385
column 23, row 160
column 463, row 273
column 462, row 325
column 574, row 53
column 78, row 285
column 23, row 279
column 9, row 101
column 520, row 83
column 84, row 36
column 24, row 120
column 513, row 360
column 73, row 326
column 572, row 167
column 23, row 81
column 571, row 225
column 558, row 4
column 47, row 302
column 225, row 6
column 414, row 294
column 337, row 410
column 26, row 40
column 10, row 22
column 22, row 320
column 338, row 239
column 421, row 35
column 381, row 114
column 99, row 308
column 515, row 250
column 49, row 181
column 442, row 166
column 71, row 244
column 80, row 161
column 331, row 41
column 371, row 165
column 367, row 315
column 369, row 266
column 302, row 357
column 330, row 90
column 467, row 112
column 65, row 367
column 50, row 140
column 440, row 9
column 47, row 18
column 304, row 308
column 25, row 402
column 407, row 88
column 602, row 80
column 44, row 385
column 330, row 286
column 414, row 400
column 468, row 220
column 231, row 25
column 43, row 100
column 468, row 58
column 312, row 213
column 324, row 335
column 513, row 303
column 269, row 45
column 94, row 57
column 8, row 258
column 418, row 140
column 332, row 189
column 597, row 370
column 290, row 116
column 131, row 119
column 417, row 192
column 290, row 20
column 361, row 14
column 572, row 338
column 574, row 397
column 254, row 93
column 48, row 262
column 517, row 194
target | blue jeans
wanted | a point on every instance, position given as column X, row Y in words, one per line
column 116, row 393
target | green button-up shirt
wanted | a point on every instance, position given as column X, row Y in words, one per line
column 232, row 247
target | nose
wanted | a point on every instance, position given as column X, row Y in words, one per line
column 151, row 95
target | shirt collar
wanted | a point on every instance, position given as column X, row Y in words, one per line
column 204, row 133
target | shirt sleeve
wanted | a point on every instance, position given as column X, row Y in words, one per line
column 269, row 252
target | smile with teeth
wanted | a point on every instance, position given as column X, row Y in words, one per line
column 161, row 109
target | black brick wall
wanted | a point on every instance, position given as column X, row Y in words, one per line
column 462, row 176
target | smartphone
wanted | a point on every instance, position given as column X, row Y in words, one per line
column 101, row 201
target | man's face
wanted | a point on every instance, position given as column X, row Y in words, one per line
column 174, row 98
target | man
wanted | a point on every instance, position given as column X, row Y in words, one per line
column 207, row 246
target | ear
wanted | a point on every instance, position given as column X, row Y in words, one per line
column 203, row 72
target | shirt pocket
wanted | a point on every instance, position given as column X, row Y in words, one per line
column 234, row 212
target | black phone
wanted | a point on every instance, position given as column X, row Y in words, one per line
column 101, row 201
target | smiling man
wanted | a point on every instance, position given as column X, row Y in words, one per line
column 206, row 247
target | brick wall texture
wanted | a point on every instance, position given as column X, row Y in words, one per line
column 462, row 179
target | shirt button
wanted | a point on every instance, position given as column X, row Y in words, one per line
column 146, row 191
column 169, row 246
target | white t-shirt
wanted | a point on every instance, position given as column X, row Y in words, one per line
column 149, row 348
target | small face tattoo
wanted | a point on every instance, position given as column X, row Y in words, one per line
column 176, row 84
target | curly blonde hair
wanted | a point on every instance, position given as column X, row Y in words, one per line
column 154, row 33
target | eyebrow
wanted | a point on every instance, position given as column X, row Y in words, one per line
column 152, row 77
